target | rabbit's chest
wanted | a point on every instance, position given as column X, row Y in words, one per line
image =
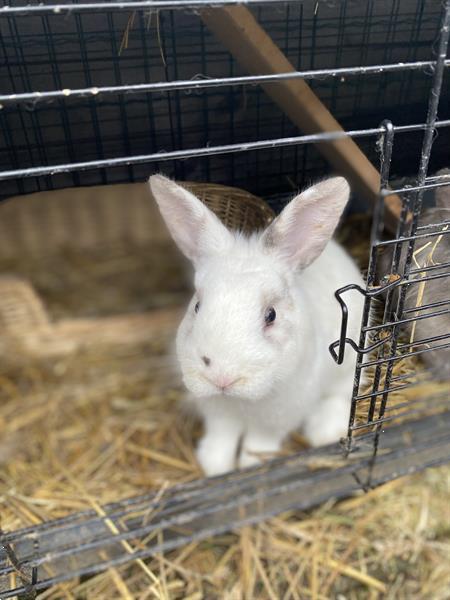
column 285, row 409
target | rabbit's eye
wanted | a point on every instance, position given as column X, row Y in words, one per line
column 197, row 307
column 270, row 315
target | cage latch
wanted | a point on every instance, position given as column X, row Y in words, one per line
column 338, row 355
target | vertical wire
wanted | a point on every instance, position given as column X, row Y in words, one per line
column 62, row 106
column 299, row 66
column 10, row 145
column 406, row 78
column 178, row 111
column 38, row 145
column 389, row 45
column 361, row 82
column 338, row 58
column 205, row 97
column 161, row 30
column 93, row 106
column 387, row 141
column 376, row 233
column 148, row 78
column 115, row 58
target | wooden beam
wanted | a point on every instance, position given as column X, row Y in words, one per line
column 253, row 48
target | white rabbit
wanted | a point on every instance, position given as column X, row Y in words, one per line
column 253, row 345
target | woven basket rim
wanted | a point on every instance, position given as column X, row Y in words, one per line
column 232, row 190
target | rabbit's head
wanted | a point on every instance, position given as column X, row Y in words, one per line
column 242, row 333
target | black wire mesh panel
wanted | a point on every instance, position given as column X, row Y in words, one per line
column 95, row 49
column 84, row 543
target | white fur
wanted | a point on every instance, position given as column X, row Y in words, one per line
column 278, row 378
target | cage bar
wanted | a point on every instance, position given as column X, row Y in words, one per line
column 386, row 438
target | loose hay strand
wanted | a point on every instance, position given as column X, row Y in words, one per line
column 113, row 528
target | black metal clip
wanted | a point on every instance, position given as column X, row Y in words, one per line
column 343, row 339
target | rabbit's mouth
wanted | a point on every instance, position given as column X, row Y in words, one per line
column 223, row 385
column 241, row 387
column 213, row 384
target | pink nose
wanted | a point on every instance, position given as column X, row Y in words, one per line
column 224, row 383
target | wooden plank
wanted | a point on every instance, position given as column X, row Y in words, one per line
column 253, row 48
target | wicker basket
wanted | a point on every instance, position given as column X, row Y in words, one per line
column 91, row 218
column 236, row 208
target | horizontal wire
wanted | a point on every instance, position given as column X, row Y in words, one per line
column 401, row 356
column 407, row 404
column 433, row 402
column 438, row 177
column 426, row 306
column 430, row 340
column 427, row 278
column 418, row 270
column 124, row 5
column 389, row 390
column 414, row 188
column 197, row 83
column 426, row 376
column 402, row 240
column 408, row 320
column 209, row 151
column 432, row 225
column 386, row 419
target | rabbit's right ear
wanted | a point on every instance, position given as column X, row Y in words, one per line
column 196, row 230
column 303, row 229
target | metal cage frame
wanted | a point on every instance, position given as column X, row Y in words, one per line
column 87, row 542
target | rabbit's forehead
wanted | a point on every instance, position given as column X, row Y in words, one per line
column 240, row 282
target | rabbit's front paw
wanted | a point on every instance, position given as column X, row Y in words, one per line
column 329, row 423
column 215, row 457
column 257, row 447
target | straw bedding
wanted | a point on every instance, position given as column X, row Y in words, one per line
column 85, row 428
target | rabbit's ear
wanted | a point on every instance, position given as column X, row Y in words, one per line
column 300, row 233
column 196, row 230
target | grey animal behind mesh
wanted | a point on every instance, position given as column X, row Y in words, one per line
column 426, row 303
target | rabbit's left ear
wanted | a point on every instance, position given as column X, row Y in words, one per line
column 301, row 232
column 196, row 230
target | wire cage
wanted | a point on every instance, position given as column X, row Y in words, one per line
column 105, row 92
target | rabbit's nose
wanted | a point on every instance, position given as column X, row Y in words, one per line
column 206, row 360
column 223, row 383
